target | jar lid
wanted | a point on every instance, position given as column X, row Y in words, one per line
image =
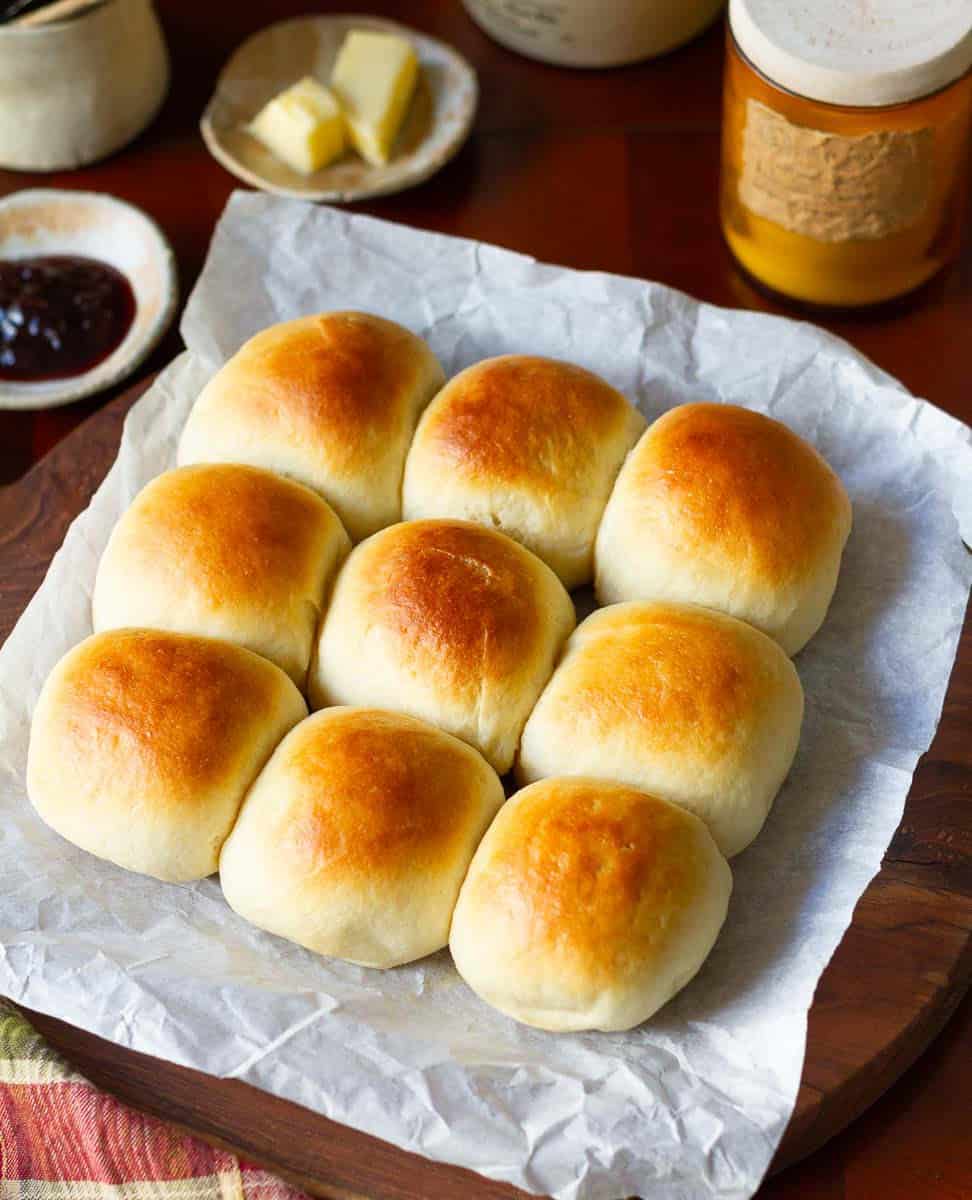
column 860, row 53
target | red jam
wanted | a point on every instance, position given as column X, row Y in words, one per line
column 60, row 316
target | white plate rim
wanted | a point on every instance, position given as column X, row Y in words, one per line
column 26, row 397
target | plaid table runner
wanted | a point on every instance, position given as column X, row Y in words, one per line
column 63, row 1139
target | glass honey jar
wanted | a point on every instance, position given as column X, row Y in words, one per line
column 846, row 143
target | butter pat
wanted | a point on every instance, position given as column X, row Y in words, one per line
column 302, row 126
column 374, row 78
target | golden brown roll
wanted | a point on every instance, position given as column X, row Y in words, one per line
column 448, row 621
column 527, row 445
column 357, row 834
column 143, row 744
column 588, row 905
column 689, row 704
column 223, row 551
column 329, row 400
column 721, row 506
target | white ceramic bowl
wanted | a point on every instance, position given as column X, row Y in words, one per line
column 48, row 221
column 437, row 123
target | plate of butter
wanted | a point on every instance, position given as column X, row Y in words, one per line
column 339, row 108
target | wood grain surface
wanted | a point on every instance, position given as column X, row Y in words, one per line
column 614, row 171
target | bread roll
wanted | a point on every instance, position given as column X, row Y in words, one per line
column 527, row 445
column 329, row 400
column 229, row 552
column 357, row 834
column 448, row 621
column 724, row 507
column 143, row 744
column 680, row 701
column 588, row 905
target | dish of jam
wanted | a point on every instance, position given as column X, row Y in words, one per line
column 60, row 315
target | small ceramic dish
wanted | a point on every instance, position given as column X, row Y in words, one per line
column 45, row 221
column 438, row 121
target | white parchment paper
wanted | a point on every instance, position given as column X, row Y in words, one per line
column 694, row 1103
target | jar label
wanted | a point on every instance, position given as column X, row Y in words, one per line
column 834, row 188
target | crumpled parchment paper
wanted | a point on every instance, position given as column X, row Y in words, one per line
column 692, row 1104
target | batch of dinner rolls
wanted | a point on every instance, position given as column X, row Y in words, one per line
column 348, row 533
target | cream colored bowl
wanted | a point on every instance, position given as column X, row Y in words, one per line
column 77, row 90
column 47, row 221
column 593, row 33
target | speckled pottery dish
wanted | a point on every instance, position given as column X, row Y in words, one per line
column 46, row 221
column 437, row 124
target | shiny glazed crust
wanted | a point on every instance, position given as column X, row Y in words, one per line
column 223, row 551
column 357, row 834
column 528, row 445
column 689, row 704
column 721, row 506
column 588, row 905
column 144, row 742
column 448, row 621
column 329, row 400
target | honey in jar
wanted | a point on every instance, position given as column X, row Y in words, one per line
column 845, row 144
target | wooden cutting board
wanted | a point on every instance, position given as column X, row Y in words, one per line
column 900, row 970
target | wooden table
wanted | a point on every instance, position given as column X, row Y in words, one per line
column 609, row 170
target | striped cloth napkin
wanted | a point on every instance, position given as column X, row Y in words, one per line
column 63, row 1139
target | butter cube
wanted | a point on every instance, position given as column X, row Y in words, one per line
column 303, row 126
column 374, row 78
